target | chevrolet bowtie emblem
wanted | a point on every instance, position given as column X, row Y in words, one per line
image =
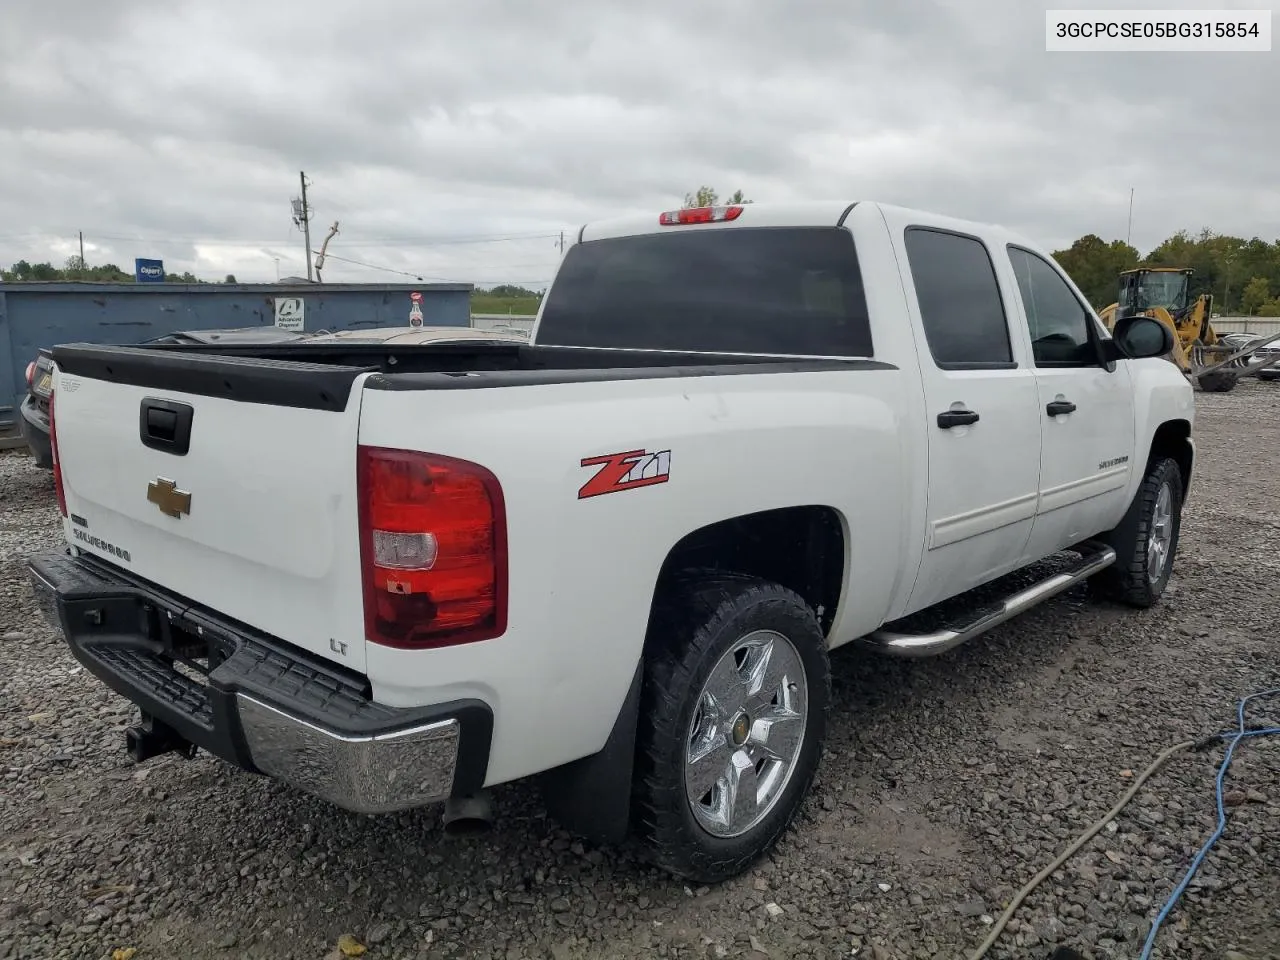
column 166, row 495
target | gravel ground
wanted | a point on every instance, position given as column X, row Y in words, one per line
column 946, row 785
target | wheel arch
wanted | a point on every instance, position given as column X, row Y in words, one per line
column 803, row 548
column 1172, row 439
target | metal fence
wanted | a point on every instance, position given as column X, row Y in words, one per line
column 1255, row 326
column 35, row 315
column 509, row 323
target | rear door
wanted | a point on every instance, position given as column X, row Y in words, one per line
column 981, row 403
column 246, row 506
column 1086, row 409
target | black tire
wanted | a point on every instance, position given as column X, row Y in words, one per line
column 1217, row 383
column 1127, row 580
column 697, row 621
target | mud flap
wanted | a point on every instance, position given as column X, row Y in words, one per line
column 591, row 797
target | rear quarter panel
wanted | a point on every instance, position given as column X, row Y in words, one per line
column 582, row 571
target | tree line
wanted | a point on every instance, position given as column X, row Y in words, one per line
column 707, row 197
column 1243, row 276
column 76, row 269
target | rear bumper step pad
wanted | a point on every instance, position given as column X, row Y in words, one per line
column 263, row 705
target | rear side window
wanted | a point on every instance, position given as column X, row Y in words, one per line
column 955, row 281
column 775, row 290
column 1059, row 322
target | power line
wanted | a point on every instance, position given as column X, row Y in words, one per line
column 433, row 241
column 276, row 242
column 417, row 276
column 194, row 241
column 375, row 266
column 253, row 242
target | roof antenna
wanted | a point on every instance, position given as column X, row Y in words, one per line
column 1129, row 236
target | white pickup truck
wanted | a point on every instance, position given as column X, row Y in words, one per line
column 614, row 557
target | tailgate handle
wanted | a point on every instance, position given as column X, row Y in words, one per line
column 165, row 425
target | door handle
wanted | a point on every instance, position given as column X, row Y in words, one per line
column 165, row 425
column 956, row 418
column 1058, row 407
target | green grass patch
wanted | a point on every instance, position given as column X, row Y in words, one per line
column 516, row 306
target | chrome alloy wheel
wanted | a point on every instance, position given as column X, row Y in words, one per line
column 1160, row 539
column 746, row 733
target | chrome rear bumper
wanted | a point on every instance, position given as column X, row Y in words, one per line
column 370, row 773
column 256, row 701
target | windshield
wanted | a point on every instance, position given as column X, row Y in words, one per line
column 754, row 290
column 1167, row 290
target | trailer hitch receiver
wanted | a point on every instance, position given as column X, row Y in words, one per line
column 153, row 737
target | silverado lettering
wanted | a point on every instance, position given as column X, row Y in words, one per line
column 100, row 544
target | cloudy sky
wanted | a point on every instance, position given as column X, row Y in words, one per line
column 455, row 140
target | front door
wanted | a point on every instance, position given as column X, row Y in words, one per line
column 1085, row 408
column 983, row 423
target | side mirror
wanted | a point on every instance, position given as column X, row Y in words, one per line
column 1139, row 337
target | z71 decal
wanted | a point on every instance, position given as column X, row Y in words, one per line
column 626, row 471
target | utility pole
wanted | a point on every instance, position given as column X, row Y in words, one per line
column 302, row 218
column 1129, row 236
column 82, row 263
column 561, row 243
column 306, row 220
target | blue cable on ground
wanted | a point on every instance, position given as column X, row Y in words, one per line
column 1204, row 743
column 1240, row 734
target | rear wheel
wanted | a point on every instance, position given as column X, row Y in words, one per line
column 733, row 717
column 1146, row 540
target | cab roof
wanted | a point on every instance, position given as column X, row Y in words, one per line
column 803, row 213
column 763, row 214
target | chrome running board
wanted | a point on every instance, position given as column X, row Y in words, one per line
column 1096, row 557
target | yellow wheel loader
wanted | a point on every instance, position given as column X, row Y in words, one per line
column 1207, row 359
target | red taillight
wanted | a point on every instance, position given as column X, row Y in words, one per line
column 31, row 373
column 57, row 461
column 433, row 549
column 699, row 215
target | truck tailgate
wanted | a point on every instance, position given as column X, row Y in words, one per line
column 257, row 519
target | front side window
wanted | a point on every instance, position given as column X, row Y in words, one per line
column 1058, row 321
